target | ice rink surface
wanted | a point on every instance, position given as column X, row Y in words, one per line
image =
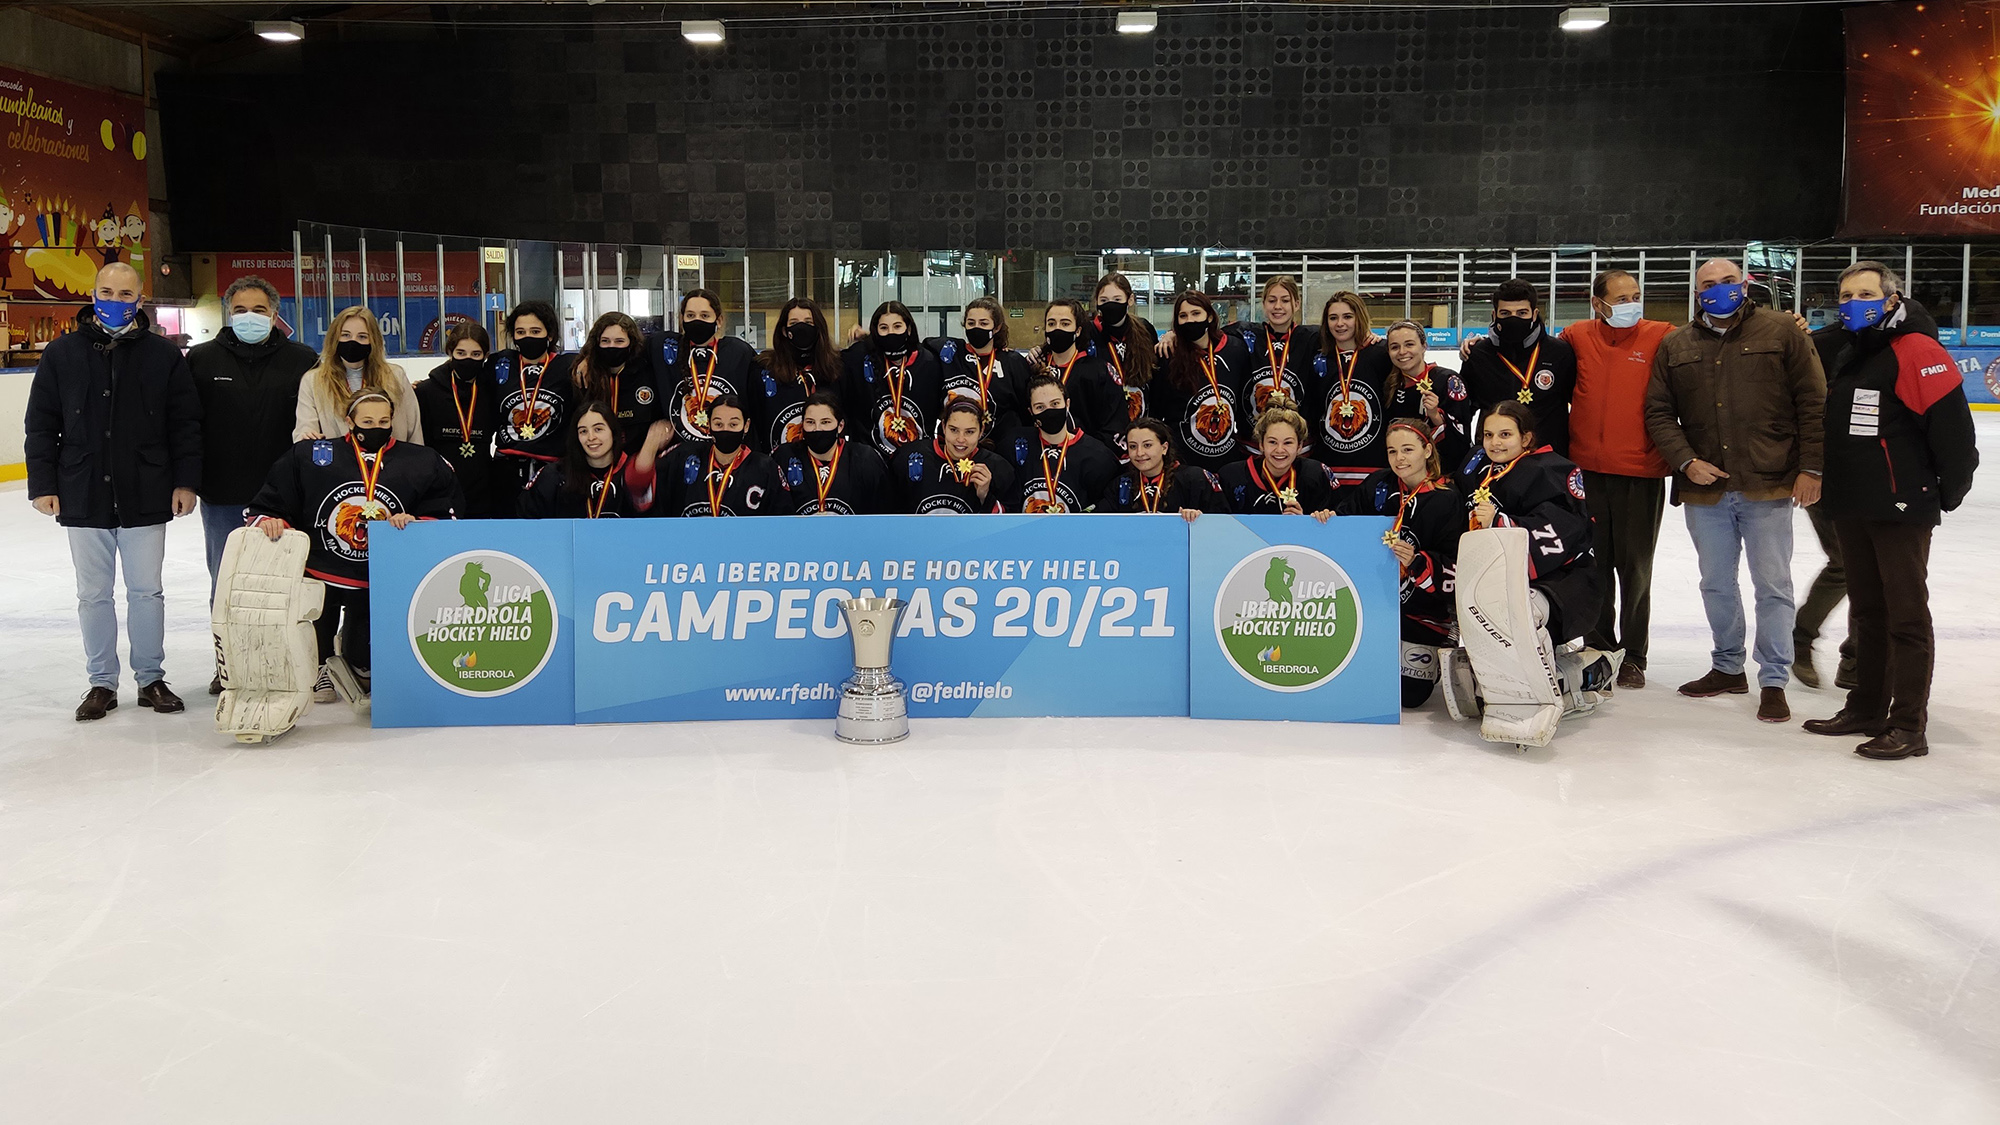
column 1675, row 914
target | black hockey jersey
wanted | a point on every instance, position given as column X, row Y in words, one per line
column 928, row 480
column 1076, row 471
column 1543, row 492
column 997, row 382
column 534, row 404
column 693, row 378
column 461, row 417
column 1432, row 519
column 1208, row 420
column 621, row 492
column 856, row 483
column 317, row 487
column 891, row 400
column 1185, row 487
column 1249, row 492
column 695, row 481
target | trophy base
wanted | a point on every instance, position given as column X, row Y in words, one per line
column 873, row 709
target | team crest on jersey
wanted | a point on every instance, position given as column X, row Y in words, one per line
column 893, row 429
column 517, row 416
column 322, row 453
column 1262, row 392
column 691, row 469
column 795, row 473
column 916, row 470
column 643, row 396
column 789, row 425
column 1576, row 483
column 1352, row 419
column 503, row 370
column 1035, row 498
column 694, row 407
column 1209, row 429
column 343, row 522
column 833, row 506
column 1545, row 380
column 1381, row 496
column 1455, row 388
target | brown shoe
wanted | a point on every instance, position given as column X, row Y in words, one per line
column 1771, row 706
column 215, row 685
column 1845, row 722
column 1630, row 675
column 1717, row 683
column 160, row 698
column 95, row 703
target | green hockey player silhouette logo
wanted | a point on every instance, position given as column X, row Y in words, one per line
column 473, row 584
column 1279, row 578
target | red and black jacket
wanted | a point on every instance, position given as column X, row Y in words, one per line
column 621, row 492
column 859, row 484
column 1185, row 487
column 1899, row 436
column 1250, row 493
column 1433, row 518
column 928, row 481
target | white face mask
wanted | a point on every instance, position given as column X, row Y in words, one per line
column 250, row 327
column 1625, row 315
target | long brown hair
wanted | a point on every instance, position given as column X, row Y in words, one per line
column 577, row 473
column 783, row 363
column 1169, row 461
column 1397, row 380
column 595, row 383
column 999, row 316
column 1184, row 366
column 1353, row 301
column 1137, row 362
column 376, row 374
column 1433, row 467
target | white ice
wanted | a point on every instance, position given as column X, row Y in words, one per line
column 1675, row 914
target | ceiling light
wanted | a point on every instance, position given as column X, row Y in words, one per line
column 1584, row 19
column 1138, row 23
column 701, row 31
column 280, row 31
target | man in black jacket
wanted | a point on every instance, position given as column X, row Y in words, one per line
column 1899, row 451
column 114, row 452
column 1517, row 360
column 248, row 382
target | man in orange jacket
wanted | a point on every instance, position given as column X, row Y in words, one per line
column 1624, row 477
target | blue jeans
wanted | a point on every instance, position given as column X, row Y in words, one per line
column 96, row 552
column 217, row 521
column 1723, row 533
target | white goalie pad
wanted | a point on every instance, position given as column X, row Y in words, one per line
column 1512, row 659
column 264, row 646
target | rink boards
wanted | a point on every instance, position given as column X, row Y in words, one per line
column 511, row 622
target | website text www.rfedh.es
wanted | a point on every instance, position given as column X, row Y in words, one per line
column 928, row 691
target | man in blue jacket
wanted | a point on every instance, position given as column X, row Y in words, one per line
column 114, row 453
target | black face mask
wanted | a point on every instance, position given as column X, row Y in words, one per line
column 1191, row 331
column 1052, row 421
column 1513, row 332
column 467, row 369
column 697, row 332
column 895, row 343
column 822, row 441
column 1060, row 340
column 611, row 359
column 372, row 438
column 979, row 337
column 532, row 347
column 727, row 442
column 804, row 339
column 351, row 351
column 1112, row 313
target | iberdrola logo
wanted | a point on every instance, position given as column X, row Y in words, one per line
column 1288, row 618
column 483, row 623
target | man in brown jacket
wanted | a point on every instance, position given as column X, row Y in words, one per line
column 1734, row 406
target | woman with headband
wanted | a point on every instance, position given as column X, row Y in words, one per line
column 1429, row 517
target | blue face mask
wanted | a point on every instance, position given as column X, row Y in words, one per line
column 114, row 314
column 1723, row 300
column 249, row 327
column 1856, row 315
column 1625, row 315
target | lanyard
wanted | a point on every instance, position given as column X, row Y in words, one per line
column 1289, row 485
column 985, row 371
column 1278, row 360
column 1149, row 494
column 1049, row 479
column 898, row 377
column 1406, row 502
column 370, row 508
column 1484, row 493
column 699, row 400
column 1114, row 354
column 960, row 467
column 1346, row 380
column 596, row 507
column 717, row 488
column 465, row 414
column 1208, row 369
column 823, row 474
column 528, row 428
column 1527, row 394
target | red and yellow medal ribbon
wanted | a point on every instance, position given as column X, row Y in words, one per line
column 1290, row 483
column 369, row 506
column 535, row 395
column 1278, row 360
column 823, row 474
column 1484, row 493
column 898, row 378
column 1527, row 392
column 1149, row 494
column 1049, row 479
column 984, row 366
column 701, row 385
column 717, row 487
column 465, row 414
column 596, row 507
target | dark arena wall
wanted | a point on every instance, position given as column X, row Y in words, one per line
column 1258, row 128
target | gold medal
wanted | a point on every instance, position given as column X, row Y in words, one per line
column 374, row 511
column 1424, row 385
column 1526, row 396
column 963, row 466
column 467, row 451
column 701, row 419
column 1389, row 538
column 1287, row 497
column 1482, row 495
column 527, row 431
column 1346, row 410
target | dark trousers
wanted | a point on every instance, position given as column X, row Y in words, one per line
column 1889, row 618
column 1829, row 587
column 347, row 611
column 1625, row 528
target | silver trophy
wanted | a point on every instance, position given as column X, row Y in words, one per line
column 873, row 709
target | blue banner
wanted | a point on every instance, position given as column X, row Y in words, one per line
column 1008, row 615
column 1980, row 367
column 1294, row 619
column 469, row 634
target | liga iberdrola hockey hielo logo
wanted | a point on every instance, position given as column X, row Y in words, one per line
column 482, row 623
column 1288, row 618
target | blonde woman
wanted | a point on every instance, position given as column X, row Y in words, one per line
column 350, row 362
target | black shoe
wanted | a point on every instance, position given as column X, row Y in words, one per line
column 1803, row 669
column 215, row 685
column 161, row 698
column 1894, row 745
column 1845, row 723
column 95, row 703
column 1843, row 676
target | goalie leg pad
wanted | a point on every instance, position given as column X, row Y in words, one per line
column 262, row 618
column 1513, row 660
